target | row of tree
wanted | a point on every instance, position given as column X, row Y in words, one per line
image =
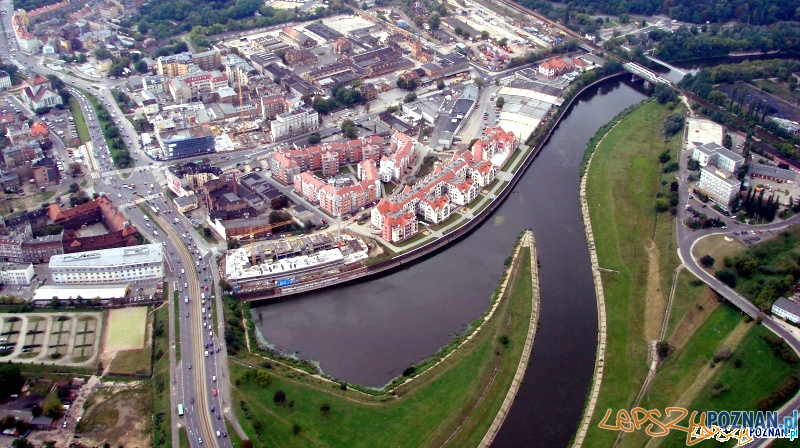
column 757, row 12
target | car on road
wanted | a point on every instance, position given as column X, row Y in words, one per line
column 206, row 352
column 214, row 392
column 214, row 378
column 219, row 434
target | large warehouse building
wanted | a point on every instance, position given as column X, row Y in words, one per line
column 109, row 265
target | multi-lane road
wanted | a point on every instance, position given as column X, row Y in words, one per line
column 196, row 378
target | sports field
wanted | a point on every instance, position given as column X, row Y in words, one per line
column 126, row 328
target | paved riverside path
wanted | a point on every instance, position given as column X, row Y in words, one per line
column 527, row 241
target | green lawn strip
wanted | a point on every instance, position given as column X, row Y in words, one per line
column 522, row 158
column 433, row 405
column 453, row 218
column 413, row 241
column 232, row 434
column 184, row 438
column 390, row 187
column 161, row 407
column 456, row 226
column 687, row 295
column 98, row 105
column 80, row 120
column 680, row 369
column 760, row 373
column 511, row 160
column 623, row 181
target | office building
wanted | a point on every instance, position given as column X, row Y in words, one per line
column 109, row 265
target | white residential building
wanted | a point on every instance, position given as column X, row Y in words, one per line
column 719, row 156
column 109, row 265
column 721, row 186
column 787, row 309
column 295, row 122
column 5, row 80
column 16, row 273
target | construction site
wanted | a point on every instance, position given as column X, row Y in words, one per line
column 280, row 264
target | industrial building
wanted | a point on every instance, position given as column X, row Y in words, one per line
column 109, row 265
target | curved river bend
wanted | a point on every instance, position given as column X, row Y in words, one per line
column 368, row 333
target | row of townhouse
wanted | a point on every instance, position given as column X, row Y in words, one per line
column 287, row 164
column 341, row 201
column 455, row 183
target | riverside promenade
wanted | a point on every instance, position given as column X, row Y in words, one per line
column 527, row 241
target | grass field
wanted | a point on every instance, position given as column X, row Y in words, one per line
column 623, row 181
column 719, row 247
column 759, row 373
column 126, row 328
column 425, row 413
column 681, row 368
column 130, row 362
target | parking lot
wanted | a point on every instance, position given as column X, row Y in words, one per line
column 60, row 338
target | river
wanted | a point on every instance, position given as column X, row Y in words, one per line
column 368, row 333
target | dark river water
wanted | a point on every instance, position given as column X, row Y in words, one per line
column 368, row 333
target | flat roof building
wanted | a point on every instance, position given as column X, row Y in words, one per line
column 44, row 295
column 787, row 309
column 16, row 273
column 186, row 143
column 109, row 265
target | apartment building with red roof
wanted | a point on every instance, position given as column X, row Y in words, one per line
column 327, row 158
column 455, row 183
column 495, row 141
column 340, row 201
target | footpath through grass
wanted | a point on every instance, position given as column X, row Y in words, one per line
column 752, row 372
column 425, row 412
column 624, row 181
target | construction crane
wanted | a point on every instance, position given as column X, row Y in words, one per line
column 241, row 105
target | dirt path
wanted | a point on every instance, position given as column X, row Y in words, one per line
column 654, row 300
column 693, row 319
column 705, row 375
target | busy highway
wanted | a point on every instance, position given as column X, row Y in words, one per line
column 201, row 368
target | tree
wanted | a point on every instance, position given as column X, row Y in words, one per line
column 140, row 66
column 500, row 102
column 52, row 406
column 434, row 20
column 314, row 138
column 233, row 244
column 74, row 187
column 459, row 31
column 480, row 82
column 11, row 380
column 75, row 169
column 410, row 96
column 279, row 396
column 325, row 408
column 707, row 260
column 112, row 132
column 485, row 35
column 224, row 285
column 22, row 443
column 247, row 444
column 349, row 128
